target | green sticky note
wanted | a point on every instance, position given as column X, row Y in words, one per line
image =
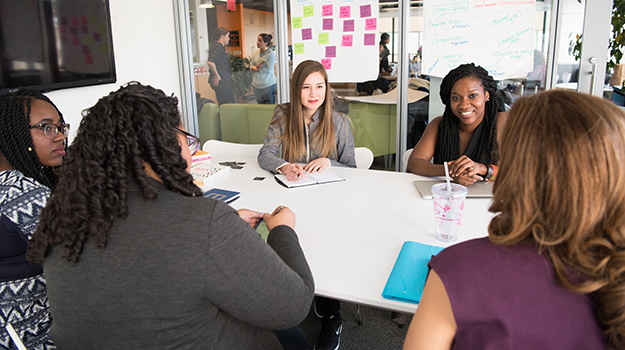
column 308, row 11
column 298, row 48
column 324, row 38
column 86, row 39
column 93, row 20
column 297, row 22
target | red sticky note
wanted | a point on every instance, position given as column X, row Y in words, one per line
column 369, row 39
column 345, row 12
column 306, row 34
column 75, row 41
column 328, row 24
column 88, row 59
column 331, row 51
column 83, row 20
column 74, row 21
column 326, row 10
column 348, row 25
column 365, row 11
column 327, row 63
column 62, row 29
column 347, row 40
column 232, row 5
column 371, row 23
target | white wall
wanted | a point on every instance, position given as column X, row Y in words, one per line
column 144, row 44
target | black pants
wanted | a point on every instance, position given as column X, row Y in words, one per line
column 327, row 306
column 224, row 92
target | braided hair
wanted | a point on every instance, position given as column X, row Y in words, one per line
column 16, row 142
column 448, row 140
column 129, row 127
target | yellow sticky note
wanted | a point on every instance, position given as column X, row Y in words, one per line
column 324, row 38
column 298, row 48
column 309, row 11
column 297, row 22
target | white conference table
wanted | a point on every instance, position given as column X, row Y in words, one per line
column 351, row 231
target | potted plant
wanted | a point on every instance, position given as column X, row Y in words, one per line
column 616, row 44
column 241, row 78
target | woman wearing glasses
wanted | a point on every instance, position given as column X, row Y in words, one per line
column 32, row 144
column 136, row 258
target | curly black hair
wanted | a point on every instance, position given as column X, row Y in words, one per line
column 16, row 142
column 129, row 127
column 448, row 140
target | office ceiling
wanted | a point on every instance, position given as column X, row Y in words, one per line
column 267, row 5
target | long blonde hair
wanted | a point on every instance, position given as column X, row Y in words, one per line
column 561, row 187
column 293, row 141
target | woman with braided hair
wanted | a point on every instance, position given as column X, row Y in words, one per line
column 551, row 273
column 32, row 145
column 136, row 258
column 466, row 135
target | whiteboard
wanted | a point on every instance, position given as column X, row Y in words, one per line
column 495, row 34
column 341, row 34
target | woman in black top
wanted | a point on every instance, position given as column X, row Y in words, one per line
column 219, row 66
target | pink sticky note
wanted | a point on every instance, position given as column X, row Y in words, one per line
column 371, row 23
column 365, row 11
column 326, row 10
column 327, row 63
column 369, row 39
column 347, row 40
column 331, row 51
column 348, row 25
column 328, row 24
column 306, row 34
column 75, row 41
column 62, row 29
column 345, row 12
column 74, row 21
column 83, row 20
column 88, row 59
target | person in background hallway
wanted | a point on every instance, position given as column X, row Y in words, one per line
column 385, row 69
column 136, row 258
column 551, row 273
column 308, row 130
column 219, row 66
column 32, row 144
column 263, row 63
column 466, row 135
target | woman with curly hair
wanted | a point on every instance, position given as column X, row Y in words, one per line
column 137, row 258
column 466, row 135
column 32, row 144
column 551, row 273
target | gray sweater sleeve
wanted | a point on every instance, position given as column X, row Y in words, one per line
column 269, row 155
column 266, row 284
column 344, row 141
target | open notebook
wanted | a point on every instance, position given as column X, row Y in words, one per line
column 479, row 189
column 322, row 177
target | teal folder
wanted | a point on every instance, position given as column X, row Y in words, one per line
column 410, row 272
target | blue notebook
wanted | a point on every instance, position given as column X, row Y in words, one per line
column 410, row 272
column 222, row 195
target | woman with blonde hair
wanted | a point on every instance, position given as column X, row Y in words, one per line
column 308, row 130
column 551, row 274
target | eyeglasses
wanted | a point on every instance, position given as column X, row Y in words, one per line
column 51, row 129
column 192, row 141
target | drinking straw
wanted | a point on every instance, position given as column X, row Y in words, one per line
column 447, row 177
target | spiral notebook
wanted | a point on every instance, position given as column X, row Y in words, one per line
column 408, row 277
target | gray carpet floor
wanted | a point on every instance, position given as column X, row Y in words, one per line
column 378, row 331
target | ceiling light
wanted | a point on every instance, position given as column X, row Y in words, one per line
column 207, row 4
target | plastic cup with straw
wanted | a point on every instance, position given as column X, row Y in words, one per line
column 449, row 202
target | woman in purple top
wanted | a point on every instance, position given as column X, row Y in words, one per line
column 551, row 274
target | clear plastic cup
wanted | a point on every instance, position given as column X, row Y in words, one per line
column 448, row 207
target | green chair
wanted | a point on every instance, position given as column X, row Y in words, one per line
column 208, row 122
column 374, row 126
column 245, row 123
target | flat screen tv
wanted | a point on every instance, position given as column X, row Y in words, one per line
column 54, row 44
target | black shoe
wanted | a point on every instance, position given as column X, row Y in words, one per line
column 330, row 334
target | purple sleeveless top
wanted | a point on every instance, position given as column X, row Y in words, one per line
column 508, row 297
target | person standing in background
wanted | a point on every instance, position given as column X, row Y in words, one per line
column 219, row 66
column 263, row 64
column 385, row 69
